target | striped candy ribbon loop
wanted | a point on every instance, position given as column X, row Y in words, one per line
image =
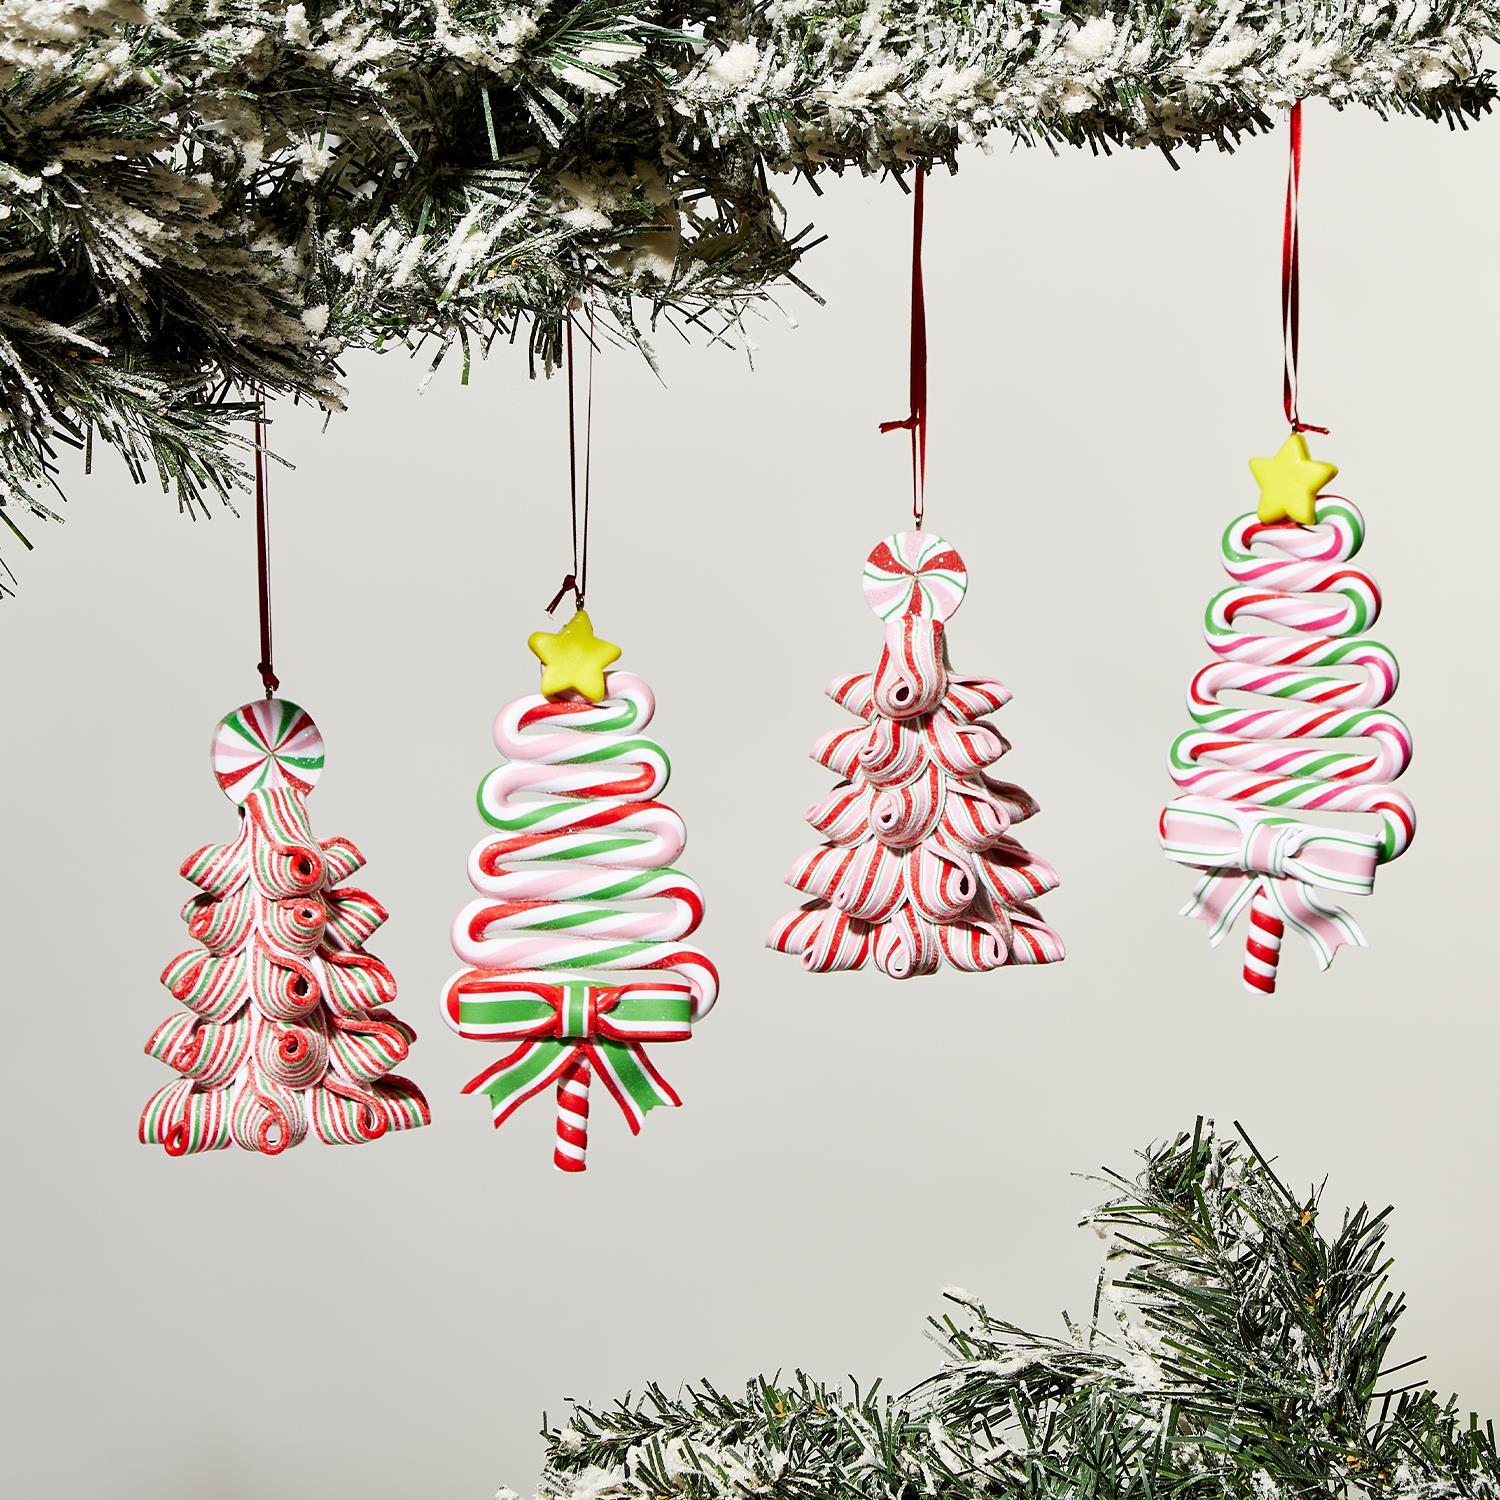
column 220, row 924
column 209, row 1052
column 183, row 1120
column 217, row 869
column 629, row 706
column 352, row 916
column 911, row 677
column 267, row 1118
column 295, row 1057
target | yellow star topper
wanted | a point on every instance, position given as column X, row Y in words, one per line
column 1289, row 483
column 574, row 659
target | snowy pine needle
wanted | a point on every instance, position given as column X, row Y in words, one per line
column 1237, row 1346
column 204, row 198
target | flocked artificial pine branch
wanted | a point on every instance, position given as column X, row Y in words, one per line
column 1238, row 1346
column 203, row 197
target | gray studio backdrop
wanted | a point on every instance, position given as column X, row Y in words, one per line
column 393, row 1321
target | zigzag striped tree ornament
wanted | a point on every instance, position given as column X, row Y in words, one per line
column 576, row 888
column 919, row 864
column 286, row 1029
column 1289, row 630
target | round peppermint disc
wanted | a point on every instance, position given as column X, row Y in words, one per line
column 915, row 572
column 266, row 745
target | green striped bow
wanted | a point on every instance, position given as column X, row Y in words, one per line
column 560, row 1022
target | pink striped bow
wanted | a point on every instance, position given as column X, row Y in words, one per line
column 1244, row 849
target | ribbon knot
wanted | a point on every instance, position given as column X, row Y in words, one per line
column 578, row 1011
column 1243, row 849
column 1267, row 844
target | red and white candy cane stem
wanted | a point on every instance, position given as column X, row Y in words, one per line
column 573, row 1118
column 1262, row 943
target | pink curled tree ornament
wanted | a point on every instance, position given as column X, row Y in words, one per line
column 285, row 1028
column 919, row 864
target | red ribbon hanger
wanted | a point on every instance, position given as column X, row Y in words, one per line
column 1291, row 278
column 576, row 581
column 915, row 422
column 264, row 666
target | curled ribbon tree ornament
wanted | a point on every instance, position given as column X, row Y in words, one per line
column 920, row 865
column 286, row 1028
column 576, row 884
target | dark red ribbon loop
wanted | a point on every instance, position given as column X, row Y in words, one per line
column 1291, row 278
column 577, row 579
column 268, row 677
column 915, row 422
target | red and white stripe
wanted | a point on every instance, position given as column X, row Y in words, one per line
column 573, row 1118
column 1262, row 943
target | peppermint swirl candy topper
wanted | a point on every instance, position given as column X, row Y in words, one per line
column 915, row 572
column 268, row 745
column 1245, row 767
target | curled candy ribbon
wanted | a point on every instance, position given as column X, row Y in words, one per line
column 1247, row 853
column 564, row 1023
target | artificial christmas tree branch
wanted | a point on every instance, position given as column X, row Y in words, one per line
column 1236, row 1348
column 204, row 198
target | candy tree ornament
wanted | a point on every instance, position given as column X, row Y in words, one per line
column 1290, row 717
column 285, row 1027
column 577, row 890
column 919, row 864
